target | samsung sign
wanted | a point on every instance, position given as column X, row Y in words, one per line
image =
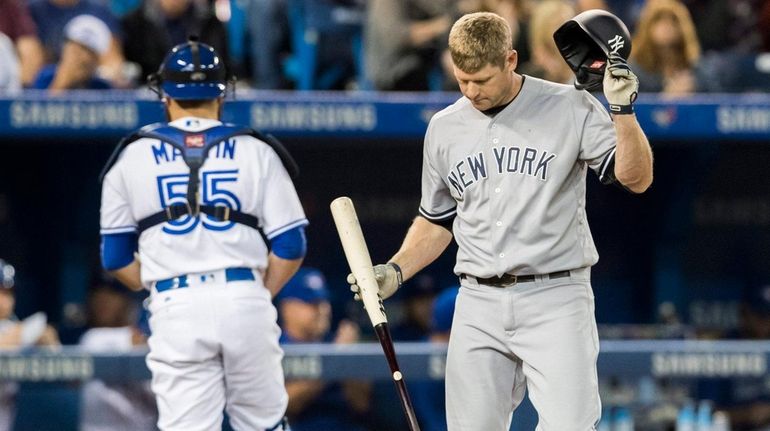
column 46, row 368
column 743, row 119
column 709, row 364
column 74, row 115
column 327, row 117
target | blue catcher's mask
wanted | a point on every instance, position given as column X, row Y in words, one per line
column 190, row 71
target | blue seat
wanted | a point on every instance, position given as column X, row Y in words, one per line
column 314, row 22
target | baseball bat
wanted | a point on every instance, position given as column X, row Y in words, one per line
column 357, row 254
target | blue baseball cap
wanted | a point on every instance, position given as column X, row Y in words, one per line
column 444, row 309
column 307, row 285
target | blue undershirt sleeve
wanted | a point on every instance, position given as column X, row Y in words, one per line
column 291, row 244
column 118, row 249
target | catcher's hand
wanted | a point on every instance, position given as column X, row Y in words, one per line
column 388, row 278
column 621, row 86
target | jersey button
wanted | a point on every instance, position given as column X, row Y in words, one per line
column 494, row 141
column 499, row 223
column 502, row 254
column 497, row 190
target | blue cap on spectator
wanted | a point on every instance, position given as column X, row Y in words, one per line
column 308, row 285
column 444, row 309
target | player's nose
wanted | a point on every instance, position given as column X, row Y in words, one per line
column 471, row 90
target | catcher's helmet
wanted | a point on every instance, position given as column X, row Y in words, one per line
column 7, row 275
column 587, row 40
column 191, row 71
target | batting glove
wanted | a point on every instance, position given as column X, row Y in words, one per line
column 621, row 86
column 388, row 278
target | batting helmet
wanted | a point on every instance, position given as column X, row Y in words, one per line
column 191, row 71
column 587, row 40
column 7, row 275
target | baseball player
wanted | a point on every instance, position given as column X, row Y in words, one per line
column 504, row 173
column 205, row 216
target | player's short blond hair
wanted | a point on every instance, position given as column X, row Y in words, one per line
column 478, row 39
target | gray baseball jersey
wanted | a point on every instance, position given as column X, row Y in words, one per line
column 516, row 181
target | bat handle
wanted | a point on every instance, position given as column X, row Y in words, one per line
column 383, row 334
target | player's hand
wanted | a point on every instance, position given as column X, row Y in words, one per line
column 388, row 278
column 621, row 86
column 347, row 332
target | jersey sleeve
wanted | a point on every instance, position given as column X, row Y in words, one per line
column 115, row 213
column 436, row 204
column 281, row 208
column 598, row 139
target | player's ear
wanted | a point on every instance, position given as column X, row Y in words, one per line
column 512, row 61
column 220, row 106
column 166, row 107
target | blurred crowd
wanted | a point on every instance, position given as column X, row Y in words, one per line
column 680, row 46
column 312, row 309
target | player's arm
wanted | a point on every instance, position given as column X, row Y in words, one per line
column 119, row 258
column 424, row 243
column 129, row 275
column 286, row 255
column 633, row 155
column 119, row 237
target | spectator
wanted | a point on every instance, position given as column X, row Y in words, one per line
column 404, row 40
column 9, row 73
column 666, row 51
column 428, row 395
column 305, row 314
column 518, row 14
column 268, row 31
column 121, row 406
column 546, row 62
column 52, row 16
column 15, row 334
column 159, row 25
column 726, row 25
column 87, row 38
column 17, row 24
column 764, row 27
column 584, row 5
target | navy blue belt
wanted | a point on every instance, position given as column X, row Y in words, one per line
column 508, row 279
column 231, row 274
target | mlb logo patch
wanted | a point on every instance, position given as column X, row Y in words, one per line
column 597, row 64
column 194, row 141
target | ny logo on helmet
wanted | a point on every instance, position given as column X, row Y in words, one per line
column 616, row 43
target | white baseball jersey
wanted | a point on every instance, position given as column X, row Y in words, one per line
column 242, row 173
column 516, row 180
